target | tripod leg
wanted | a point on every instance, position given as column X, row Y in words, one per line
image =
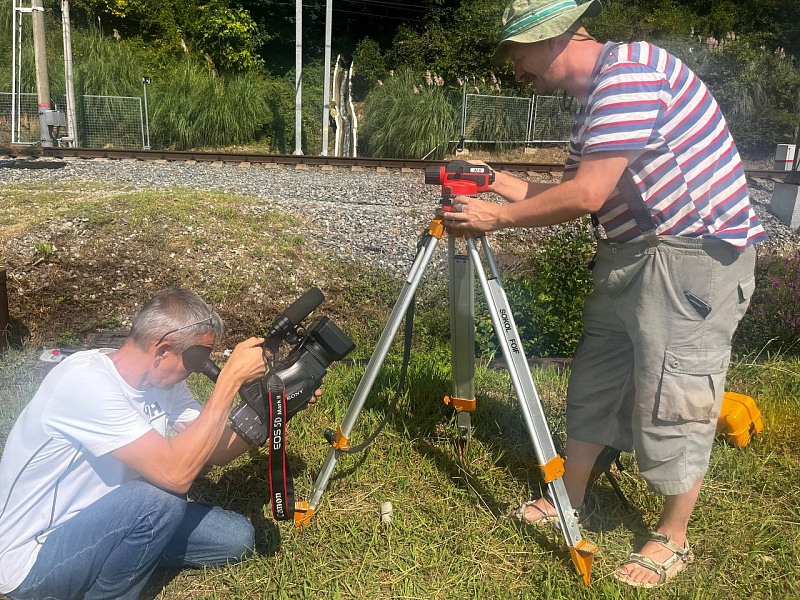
column 551, row 464
column 341, row 441
column 462, row 342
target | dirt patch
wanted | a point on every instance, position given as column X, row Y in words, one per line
column 74, row 275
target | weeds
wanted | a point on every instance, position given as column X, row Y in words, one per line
column 772, row 323
column 42, row 251
column 546, row 295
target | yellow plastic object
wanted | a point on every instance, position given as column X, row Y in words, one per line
column 739, row 419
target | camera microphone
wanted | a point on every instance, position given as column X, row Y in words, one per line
column 292, row 317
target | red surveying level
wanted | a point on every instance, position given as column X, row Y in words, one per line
column 459, row 178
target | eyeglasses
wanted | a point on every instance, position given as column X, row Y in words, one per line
column 207, row 321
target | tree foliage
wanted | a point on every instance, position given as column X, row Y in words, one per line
column 744, row 50
column 226, row 36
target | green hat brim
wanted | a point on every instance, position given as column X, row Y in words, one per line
column 546, row 31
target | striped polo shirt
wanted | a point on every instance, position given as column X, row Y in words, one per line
column 687, row 167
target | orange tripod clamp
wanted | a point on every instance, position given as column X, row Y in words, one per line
column 460, row 403
column 302, row 514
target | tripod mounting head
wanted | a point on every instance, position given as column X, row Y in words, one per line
column 459, row 178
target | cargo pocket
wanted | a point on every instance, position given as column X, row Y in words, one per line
column 745, row 290
column 691, row 380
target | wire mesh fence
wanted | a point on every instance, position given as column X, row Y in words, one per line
column 103, row 121
column 118, row 121
column 26, row 119
column 506, row 120
column 111, row 122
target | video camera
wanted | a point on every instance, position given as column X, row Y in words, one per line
column 299, row 374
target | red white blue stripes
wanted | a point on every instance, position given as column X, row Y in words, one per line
column 687, row 167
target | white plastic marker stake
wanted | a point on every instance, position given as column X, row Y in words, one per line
column 386, row 512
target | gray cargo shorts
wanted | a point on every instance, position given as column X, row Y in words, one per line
column 649, row 372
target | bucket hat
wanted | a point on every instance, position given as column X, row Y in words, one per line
column 528, row 21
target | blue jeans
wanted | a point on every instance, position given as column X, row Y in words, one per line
column 110, row 549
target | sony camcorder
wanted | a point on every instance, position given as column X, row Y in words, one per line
column 299, row 374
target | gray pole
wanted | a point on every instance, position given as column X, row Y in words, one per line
column 298, row 68
column 16, row 69
column 326, row 85
column 72, row 120
column 145, row 83
column 42, row 83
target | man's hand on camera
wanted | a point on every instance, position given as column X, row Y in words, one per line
column 316, row 395
column 246, row 362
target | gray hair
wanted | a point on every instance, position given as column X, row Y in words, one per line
column 181, row 315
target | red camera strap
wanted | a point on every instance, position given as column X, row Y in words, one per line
column 281, row 488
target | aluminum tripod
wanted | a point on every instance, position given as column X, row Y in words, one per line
column 462, row 338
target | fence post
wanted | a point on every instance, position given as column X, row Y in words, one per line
column 145, row 83
column 5, row 318
column 531, row 119
column 464, row 108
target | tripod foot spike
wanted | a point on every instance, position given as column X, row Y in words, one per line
column 582, row 555
column 302, row 514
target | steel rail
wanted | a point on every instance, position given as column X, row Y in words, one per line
column 253, row 158
column 290, row 159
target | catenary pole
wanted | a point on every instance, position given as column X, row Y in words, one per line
column 42, row 82
column 72, row 120
column 16, row 69
column 298, row 70
column 326, row 74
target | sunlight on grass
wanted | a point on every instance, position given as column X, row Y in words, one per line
column 449, row 537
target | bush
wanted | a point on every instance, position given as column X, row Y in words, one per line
column 408, row 117
column 369, row 65
column 772, row 322
column 547, row 302
column 193, row 108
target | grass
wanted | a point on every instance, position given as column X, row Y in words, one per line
column 407, row 117
column 448, row 538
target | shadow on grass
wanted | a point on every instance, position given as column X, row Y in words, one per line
column 498, row 427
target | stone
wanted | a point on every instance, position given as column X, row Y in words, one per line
column 786, row 203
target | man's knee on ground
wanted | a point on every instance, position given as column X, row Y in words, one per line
column 241, row 541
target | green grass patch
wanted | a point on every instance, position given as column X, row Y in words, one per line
column 449, row 537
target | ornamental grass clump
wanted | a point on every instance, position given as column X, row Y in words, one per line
column 196, row 108
column 772, row 323
column 409, row 117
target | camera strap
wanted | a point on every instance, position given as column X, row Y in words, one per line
column 281, row 488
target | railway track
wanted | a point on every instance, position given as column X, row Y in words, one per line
column 33, row 152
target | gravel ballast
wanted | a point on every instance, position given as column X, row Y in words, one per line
column 376, row 217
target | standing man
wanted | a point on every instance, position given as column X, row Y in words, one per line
column 651, row 158
column 95, row 471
